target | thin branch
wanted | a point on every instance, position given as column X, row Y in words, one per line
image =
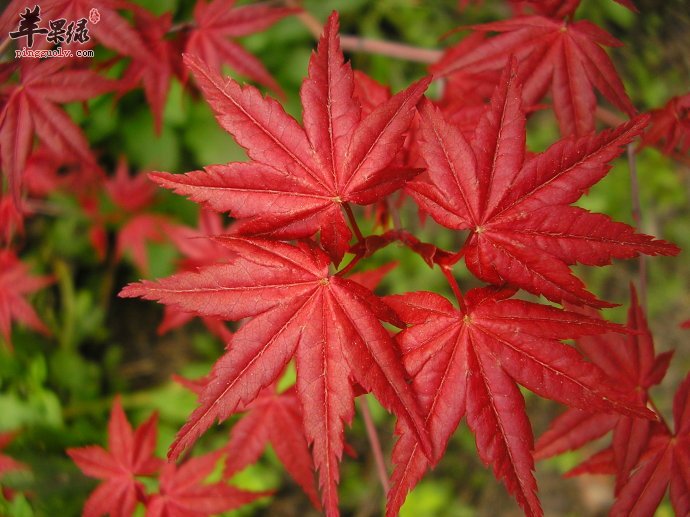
column 182, row 26
column 448, row 273
column 369, row 45
column 353, row 222
column 350, row 265
column 637, row 217
column 608, row 117
column 375, row 444
column 390, row 49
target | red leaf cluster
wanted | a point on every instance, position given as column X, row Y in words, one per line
column 276, row 268
column 130, row 454
column 301, row 181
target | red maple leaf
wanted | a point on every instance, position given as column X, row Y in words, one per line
column 276, row 419
column 132, row 195
column 522, row 230
column 565, row 58
column 633, row 363
column 154, row 68
column 219, row 22
column 271, row 418
column 31, row 109
column 664, row 462
column 299, row 180
column 129, row 454
column 198, row 251
column 466, row 363
column 15, row 284
column 331, row 325
column 669, row 127
column 11, row 218
column 182, row 492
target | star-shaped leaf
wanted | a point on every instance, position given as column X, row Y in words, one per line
column 664, row 463
column 299, row 179
column 129, row 454
column 468, row 362
column 219, row 22
column 565, row 58
column 31, row 109
column 15, row 284
column 630, row 360
column 182, row 492
column 523, row 231
column 331, row 326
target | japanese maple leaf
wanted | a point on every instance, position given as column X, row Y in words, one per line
column 133, row 195
column 154, row 69
column 665, row 462
column 129, row 454
column 299, row 179
column 522, row 230
column 11, row 218
column 276, row 419
column 669, row 127
column 31, row 109
column 632, row 362
column 328, row 323
column 565, row 58
column 219, row 22
column 467, row 363
column 15, row 284
column 198, row 251
column 271, row 418
column 182, row 492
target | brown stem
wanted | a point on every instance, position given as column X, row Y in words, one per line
column 350, row 266
column 182, row 26
column 353, row 222
column 608, row 117
column 390, row 49
column 374, row 443
column 637, row 217
column 371, row 46
column 448, row 273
